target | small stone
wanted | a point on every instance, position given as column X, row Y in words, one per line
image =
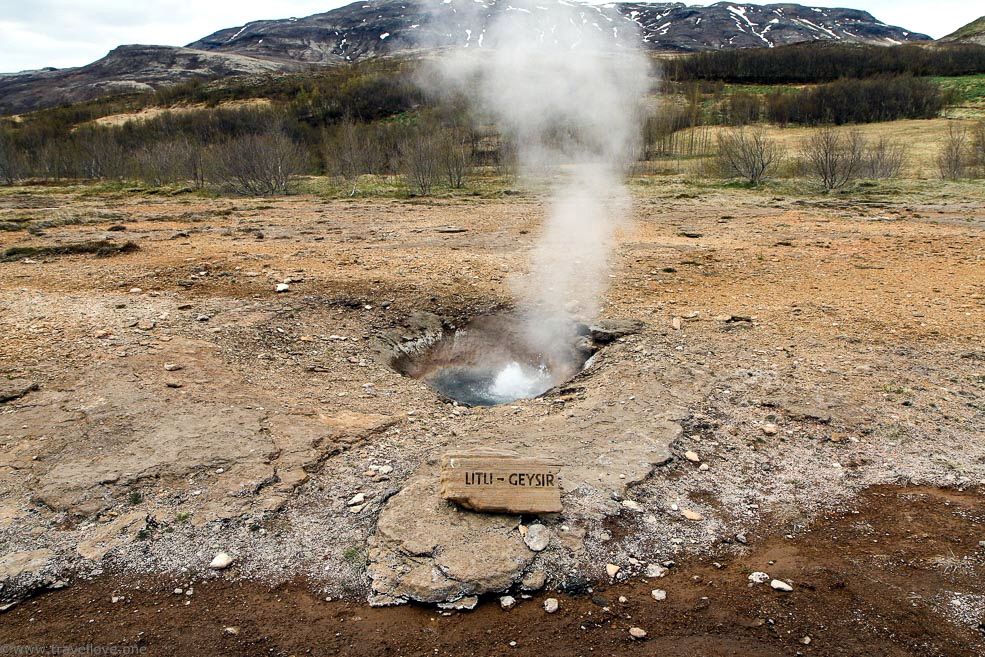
column 173, row 384
column 806, row 640
column 630, row 505
column 467, row 603
column 507, row 602
column 981, row 544
column 178, row 591
column 612, row 570
column 551, row 605
column 622, row 599
column 770, row 429
column 385, row 469
column 658, row 594
column 780, row 585
column 637, row 633
column 358, row 498
column 676, row 323
column 741, row 538
column 283, row 287
column 231, row 629
column 203, row 318
column 692, row 515
column 103, row 333
column 758, row 577
column 704, row 467
column 172, row 367
column 147, row 325
column 357, row 508
column 692, row 456
column 537, row 537
column 136, row 290
column 221, row 561
column 534, row 581
column 116, row 598
column 655, row 571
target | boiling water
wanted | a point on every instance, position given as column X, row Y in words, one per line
column 489, row 386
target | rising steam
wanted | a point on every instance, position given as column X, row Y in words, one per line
column 564, row 83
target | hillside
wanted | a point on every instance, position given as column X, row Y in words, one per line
column 973, row 32
column 382, row 27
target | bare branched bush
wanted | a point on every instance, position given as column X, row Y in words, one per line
column 172, row 161
column 884, row 159
column 455, row 151
column 11, row 160
column 420, row 156
column 258, row 165
column 349, row 153
column 978, row 148
column 748, row 154
column 952, row 157
column 834, row 158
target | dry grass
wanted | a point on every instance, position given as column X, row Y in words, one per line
column 152, row 112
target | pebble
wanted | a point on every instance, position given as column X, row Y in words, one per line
column 741, row 538
column 171, row 367
column 770, row 429
column 357, row 508
column 981, row 544
column 537, row 537
column 692, row 515
column 507, row 602
column 232, row 629
column 637, row 632
column 551, row 605
column 655, row 570
column 692, row 456
column 632, row 506
column 806, row 640
column 467, row 603
column 220, row 561
column 533, row 581
column 358, row 498
column 758, row 577
column 704, row 467
column 780, row 585
column 136, row 290
column 611, row 570
column 116, row 598
column 178, row 591
column 623, row 599
column 283, row 287
column 658, row 594
column 203, row 318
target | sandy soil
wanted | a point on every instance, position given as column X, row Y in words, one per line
column 822, row 356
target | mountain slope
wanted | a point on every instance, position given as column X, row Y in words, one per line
column 973, row 32
column 381, row 27
column 125, row 69
column 385, row 26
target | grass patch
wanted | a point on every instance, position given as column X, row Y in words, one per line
column 98, row 248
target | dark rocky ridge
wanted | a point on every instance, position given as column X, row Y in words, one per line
column 382, row 27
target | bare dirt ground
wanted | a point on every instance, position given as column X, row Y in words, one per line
column 822, row 356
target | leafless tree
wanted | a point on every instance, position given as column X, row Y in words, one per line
column 978, row 148
column 348, row 152
column 420, row 153
column 11, row 159
column 171, row 161
column 258, row 165
column 884, row 159
column 834, row 157
column 748, row 154
column 952, row 156
column 455, row 150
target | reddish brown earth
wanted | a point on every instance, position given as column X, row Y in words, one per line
column 869, row 580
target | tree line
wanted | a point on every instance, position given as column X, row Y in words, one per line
column 814, row 62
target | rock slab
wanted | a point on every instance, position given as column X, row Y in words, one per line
column 428, row 550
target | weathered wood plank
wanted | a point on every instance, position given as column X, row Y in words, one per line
column 499, row 481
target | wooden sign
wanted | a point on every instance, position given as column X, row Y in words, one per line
column 500, row 481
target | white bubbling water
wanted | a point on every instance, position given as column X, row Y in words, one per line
column 518, row 382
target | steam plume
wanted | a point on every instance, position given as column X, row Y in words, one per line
column 564, row 81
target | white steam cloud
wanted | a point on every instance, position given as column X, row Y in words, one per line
column 565, row 83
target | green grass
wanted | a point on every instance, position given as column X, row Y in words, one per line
column 99, row 248
column 968, row 89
